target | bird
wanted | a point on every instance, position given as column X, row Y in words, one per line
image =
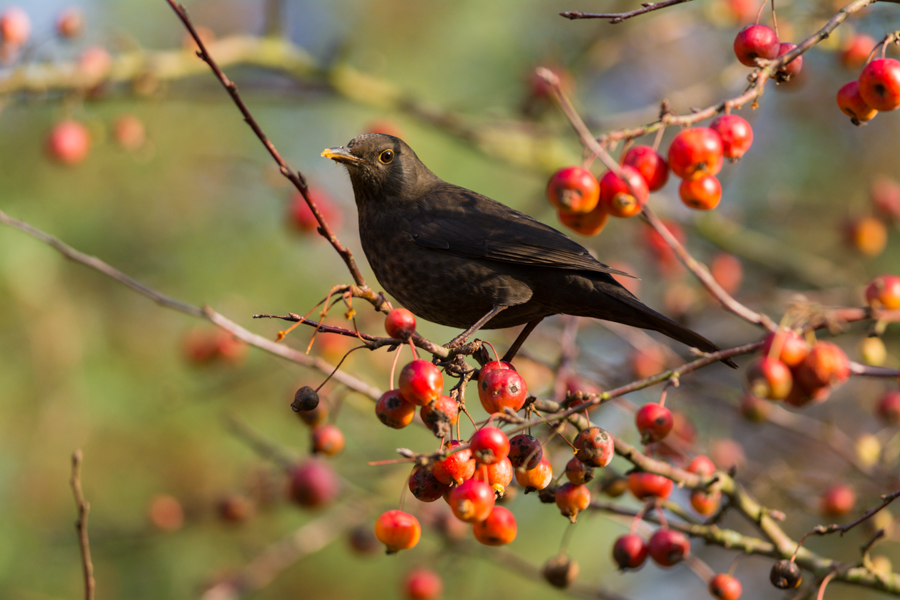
column 455, row 257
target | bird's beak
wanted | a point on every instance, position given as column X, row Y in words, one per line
column 341, row 155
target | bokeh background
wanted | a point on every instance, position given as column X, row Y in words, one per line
column 199, row 212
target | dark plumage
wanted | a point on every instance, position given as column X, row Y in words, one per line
column 453, row 256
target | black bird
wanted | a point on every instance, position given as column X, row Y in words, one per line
column 457, row 258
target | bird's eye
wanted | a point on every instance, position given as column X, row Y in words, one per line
column 386, row 157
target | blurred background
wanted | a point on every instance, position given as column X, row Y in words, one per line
column 174, row 190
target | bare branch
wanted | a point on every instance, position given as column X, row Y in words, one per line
column 619, row 17
column 81, row 526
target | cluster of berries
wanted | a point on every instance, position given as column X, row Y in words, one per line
column 695, row 155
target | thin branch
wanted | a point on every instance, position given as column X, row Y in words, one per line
column 295, row 177
column 81, row 526
column 268, row 564
column 195, row 311
column 619, row 17
column 699, row 270
column 825, row 530
column 265, row 448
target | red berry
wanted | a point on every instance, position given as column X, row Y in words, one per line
column 494, row 365
column 825, row 365
column 129, row 132
column 646, row 362
column 573, row 190
column 837, row 500
column 857, row 50
column 456, row 467
column 537, row 478
column 663, row 254
column 879, row 84
column 629, row 551
column 489, row 445
column 647, row 485
column 397, row 530
column 668, row 547
column 471, row 501
column 15, row 27
column 588, row 224
column 885, row 195
column 727, row 454
column 769, row 378
column 235, row 508
column 70, row 23
column 700, row 194
column 868, row 235
column 706, row 503
column 425, row 486
column 166, row 512
column 501, row 388
column 327, row 439
column 579, row 473
column 421, row 382
column 696, row 153
column 594, row 446
column 736, row 134
column 650, row 164
column 755, row 410
column 755, row 41
column 94, row 63
column 852, row 104
column 786, row 345
column 791, row 69
column 68, row 142
column 498, row 475
column 572, row 499
column 884, row 292
column 301, row 217
column 654, row 422
column 400, row 323
column 727, row 270
column 422, row 584
column 497, row 529
column 525, row 451
column 620, row 199
column 701, row 465
column 393, row 410
column 313, row 484
column 725, row 587
column 441, row 415
column 889, row 407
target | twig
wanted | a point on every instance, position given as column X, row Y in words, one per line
column 195, row 311
column 619, row 17
column 259, row 444
column 699, row 270
column 81, row 526
column 295, row 177
column 267, row 565
column 825, row 530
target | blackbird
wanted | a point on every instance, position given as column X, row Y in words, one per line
column 460, row 259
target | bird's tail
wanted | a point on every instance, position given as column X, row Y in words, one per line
column 624, row 307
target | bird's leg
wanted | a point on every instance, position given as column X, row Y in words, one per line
column 465, row 335
column 529, row 327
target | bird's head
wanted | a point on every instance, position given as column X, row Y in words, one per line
column 383, row 169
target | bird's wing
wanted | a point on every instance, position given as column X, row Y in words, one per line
column 459, row 221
